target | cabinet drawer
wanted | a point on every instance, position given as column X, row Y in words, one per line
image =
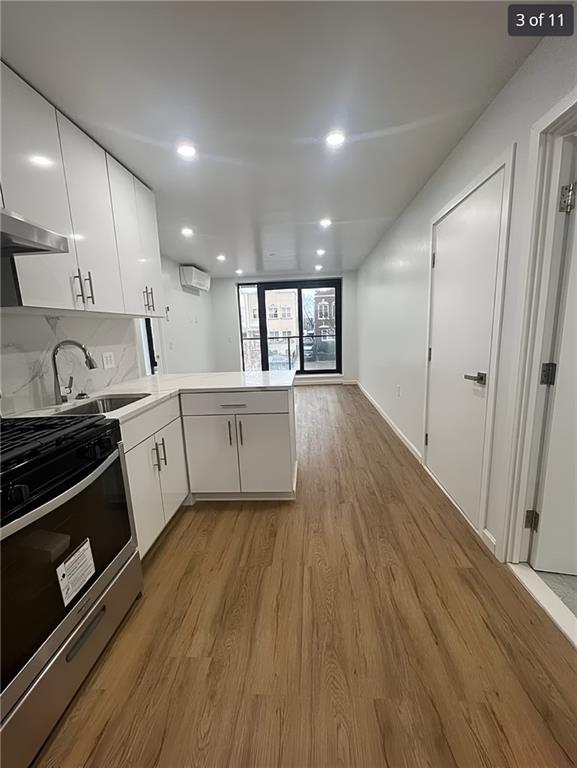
column 216, row 403
column 145, row 424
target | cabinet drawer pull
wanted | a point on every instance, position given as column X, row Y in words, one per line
column 88, row 280
column 156, row 450
column 233, row 405
column 163, row 444
column 152, row 304
column 240, row 432
column 145, row 296
column 229, row 433
column 81, row 295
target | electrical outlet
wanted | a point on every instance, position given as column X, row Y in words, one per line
column 398, row 390
column 108, row 360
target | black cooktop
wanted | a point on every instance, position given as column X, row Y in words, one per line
column 25, row 437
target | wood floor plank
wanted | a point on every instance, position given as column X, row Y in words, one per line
column 361, row 625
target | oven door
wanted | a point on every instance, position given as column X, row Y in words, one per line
column 55, row 561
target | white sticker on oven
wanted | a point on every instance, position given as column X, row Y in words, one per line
column 76, row 571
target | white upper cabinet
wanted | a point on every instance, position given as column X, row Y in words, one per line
column 150, row 247
column 92, row 221
column 134, row 266
column 34, row 187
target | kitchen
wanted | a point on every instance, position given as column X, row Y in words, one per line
column 222, row 541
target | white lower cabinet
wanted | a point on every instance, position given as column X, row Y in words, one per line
column 239, row 454
column 211, row 449
column 264, row 452
column 158, row 482
column 173, row 476
column 144, row 481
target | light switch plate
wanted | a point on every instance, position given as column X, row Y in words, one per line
column 108, row 360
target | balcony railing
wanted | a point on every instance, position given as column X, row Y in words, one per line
column 319, row 353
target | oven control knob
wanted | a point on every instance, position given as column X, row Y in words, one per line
column 18, row 494
column 92, row 451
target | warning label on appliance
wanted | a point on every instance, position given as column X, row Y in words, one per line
column 76, row 571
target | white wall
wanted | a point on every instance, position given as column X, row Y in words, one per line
column 186, row 333
column 226, row 333
column 393, row 281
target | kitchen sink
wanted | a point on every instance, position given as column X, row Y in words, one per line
column 103, row 404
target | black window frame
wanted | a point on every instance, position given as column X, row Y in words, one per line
column 262, row 287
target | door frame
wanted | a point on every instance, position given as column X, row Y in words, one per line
column 545, row 177
column 505, row 162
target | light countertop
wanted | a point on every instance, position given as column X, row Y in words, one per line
column 161, row 387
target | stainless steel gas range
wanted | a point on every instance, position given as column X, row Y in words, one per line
column 70, row 570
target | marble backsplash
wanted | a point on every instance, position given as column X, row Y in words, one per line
column 26, row 376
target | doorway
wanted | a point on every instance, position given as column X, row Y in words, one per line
column 553, row 544
column 469, row 239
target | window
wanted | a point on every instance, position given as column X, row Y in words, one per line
column 296, row 325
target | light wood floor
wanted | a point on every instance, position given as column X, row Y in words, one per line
column 362, row 625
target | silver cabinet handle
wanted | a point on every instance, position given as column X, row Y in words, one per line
column 78, row 276
column 88, row 280
column 145, row 296
column 229, row 433
column 156, row 450
column 479, row 378
column 163, row 444
column 153, row 305
column 240, row 432
column 233, row 405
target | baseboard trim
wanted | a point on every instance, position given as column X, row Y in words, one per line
column 404, row 439
column 311, row 381
column 553, row 606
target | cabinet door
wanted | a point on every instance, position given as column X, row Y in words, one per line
column 144, row 481
column 92, row 222
column 173, row 475
column 264, row 452
column 150, row 247
column 133, row 269
column 33, row 186
column 211, row 453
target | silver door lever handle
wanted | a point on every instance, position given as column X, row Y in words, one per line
column 480, row 378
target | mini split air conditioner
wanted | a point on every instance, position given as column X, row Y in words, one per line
column 192, row 277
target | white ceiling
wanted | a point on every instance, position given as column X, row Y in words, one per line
column 256, row 87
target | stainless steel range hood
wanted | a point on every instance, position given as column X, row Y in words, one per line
column 21, row 236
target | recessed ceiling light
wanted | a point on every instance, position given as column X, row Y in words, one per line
column 318, row 267
column 335, row 139
column 187, row 232
column 238, row 271
column 41, row 160
column 187, row 151
column 325, row 223
column 221, row 257
column 320, row 252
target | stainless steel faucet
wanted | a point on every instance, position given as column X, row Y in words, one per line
column 89, row 361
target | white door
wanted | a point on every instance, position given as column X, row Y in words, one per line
column 554, row 546
column 264, row 453
column 466, row 246
column 144, row 482
column 211, row 451
column 34, row 187
column 92, row 222
column 132, row 261
column 173, row 475
column 150, row 247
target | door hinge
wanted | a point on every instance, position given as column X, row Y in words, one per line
column 532, row 519
column 426, row 438
column 567, row 200
column 430, row 353
column 433, row 260
column 548, row 374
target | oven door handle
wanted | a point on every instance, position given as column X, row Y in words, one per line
column 50, row 506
